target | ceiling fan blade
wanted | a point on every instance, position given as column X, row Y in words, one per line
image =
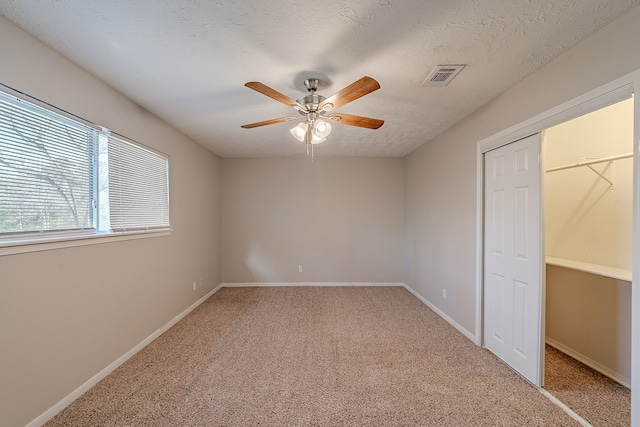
column 348, row 119
column 274, row 94
column 350, row 93
column 269, row 122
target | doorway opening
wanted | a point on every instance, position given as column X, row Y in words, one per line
column 588, row 206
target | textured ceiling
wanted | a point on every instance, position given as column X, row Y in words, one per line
column 187, row 60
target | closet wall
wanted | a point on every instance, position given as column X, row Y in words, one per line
column 588, row 240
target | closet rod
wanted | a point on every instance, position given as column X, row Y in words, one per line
column 592, row 162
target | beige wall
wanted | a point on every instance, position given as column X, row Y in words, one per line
column 586, row 219
column 340, row 218
column 441, row 175
column 440, row 226
column 589, row 316
column 66, row 314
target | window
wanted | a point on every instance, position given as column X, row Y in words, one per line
column 46, row 171
column 138, row 190
column 61, row 179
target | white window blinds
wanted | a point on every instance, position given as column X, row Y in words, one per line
column 47, row 167
column 138, row 187
column 63, row 179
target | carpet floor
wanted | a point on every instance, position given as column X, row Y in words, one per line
column 596, row 398
column 312, row 356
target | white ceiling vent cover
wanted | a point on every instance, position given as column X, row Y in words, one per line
column 442, row 75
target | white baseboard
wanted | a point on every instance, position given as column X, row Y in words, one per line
column 275, row 284
column 442, row 314
column 565, row 408
column 616, row 376
column 55, row 409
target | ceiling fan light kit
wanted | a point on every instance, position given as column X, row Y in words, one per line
column 299, row 131
column 321, row 128
column 317, row 110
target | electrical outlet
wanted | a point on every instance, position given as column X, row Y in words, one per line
column 194, row 285
column 444, row 293
column 299, row 269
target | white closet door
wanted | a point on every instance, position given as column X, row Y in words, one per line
column 513, row 256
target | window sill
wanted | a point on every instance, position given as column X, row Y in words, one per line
column 17, row 247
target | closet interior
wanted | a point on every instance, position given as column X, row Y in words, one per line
column 587, row 198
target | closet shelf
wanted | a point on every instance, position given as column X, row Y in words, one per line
column 601, row 270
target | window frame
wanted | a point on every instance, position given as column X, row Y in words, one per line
column 17, row 243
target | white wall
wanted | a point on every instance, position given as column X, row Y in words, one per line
column 440, row 244
column 66, row 314
column 340, row 218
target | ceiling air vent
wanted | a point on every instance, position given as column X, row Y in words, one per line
column 442, row 75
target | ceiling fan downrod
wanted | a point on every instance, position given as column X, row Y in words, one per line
column 312, row 85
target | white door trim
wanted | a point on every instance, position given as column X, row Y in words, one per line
column 605, row 95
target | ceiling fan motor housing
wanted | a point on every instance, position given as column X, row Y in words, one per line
column 310, row 103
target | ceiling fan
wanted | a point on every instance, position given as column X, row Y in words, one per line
column 318, row 110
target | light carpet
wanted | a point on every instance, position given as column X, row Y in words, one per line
column 312, row 356
column 596, row 398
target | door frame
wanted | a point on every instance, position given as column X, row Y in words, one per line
column 601, row 97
